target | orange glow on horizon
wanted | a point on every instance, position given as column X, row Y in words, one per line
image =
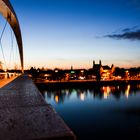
column 77, row 64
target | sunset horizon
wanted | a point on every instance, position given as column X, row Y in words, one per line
column 69, row 33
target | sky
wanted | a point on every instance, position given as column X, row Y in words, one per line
column 65, row 33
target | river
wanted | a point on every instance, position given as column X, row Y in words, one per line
column 98, row 112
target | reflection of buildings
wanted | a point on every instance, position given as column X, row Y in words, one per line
column 106, row 91
column 127, row 91
column 56, row 98
column 61, row 95
column 104, row 71
column 81, row 94
column 97, row 92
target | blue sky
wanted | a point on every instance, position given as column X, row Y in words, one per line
column 61, row 33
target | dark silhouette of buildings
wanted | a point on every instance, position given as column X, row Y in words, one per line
column 102, row 71
column 96, row 72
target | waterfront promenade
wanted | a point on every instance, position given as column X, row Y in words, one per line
column 24, row 114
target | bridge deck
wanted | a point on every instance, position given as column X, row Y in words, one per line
column 4, row 82
column 25, row 115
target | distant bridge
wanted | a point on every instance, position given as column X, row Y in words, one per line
column 24, row 114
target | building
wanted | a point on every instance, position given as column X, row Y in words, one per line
column 103, row 71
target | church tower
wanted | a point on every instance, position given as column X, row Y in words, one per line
column 100, row 63
column 93, row 63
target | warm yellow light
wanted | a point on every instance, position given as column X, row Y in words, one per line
column 127, row 91
column 56, row 98
column 106, row 95
column 82, row 96
column 56, row 71
column 106, row 92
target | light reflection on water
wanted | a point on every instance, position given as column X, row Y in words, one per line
column 105, row 92
column 111, row 112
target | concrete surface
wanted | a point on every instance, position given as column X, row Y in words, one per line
column 24, row 114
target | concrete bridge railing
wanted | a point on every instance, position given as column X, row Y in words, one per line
column 24, row 114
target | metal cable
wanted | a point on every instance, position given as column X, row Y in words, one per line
column 1, row 44
column 11, row 51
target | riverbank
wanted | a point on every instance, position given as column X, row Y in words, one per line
column 84, row 83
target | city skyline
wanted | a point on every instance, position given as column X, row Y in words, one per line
column 64, row 33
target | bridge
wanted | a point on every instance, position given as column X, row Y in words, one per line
column 24, row 114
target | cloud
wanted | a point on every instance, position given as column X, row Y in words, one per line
column 130, row 29
column 127, row 33
column 126, row 30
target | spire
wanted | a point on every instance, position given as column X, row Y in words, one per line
column 93, row 63
column 112, row 66
column 100, row 62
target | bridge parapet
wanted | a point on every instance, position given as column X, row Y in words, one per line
column 24, row 114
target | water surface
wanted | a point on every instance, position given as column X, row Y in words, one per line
column 106, row 112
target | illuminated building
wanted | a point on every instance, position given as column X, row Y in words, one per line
column 105, row 71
